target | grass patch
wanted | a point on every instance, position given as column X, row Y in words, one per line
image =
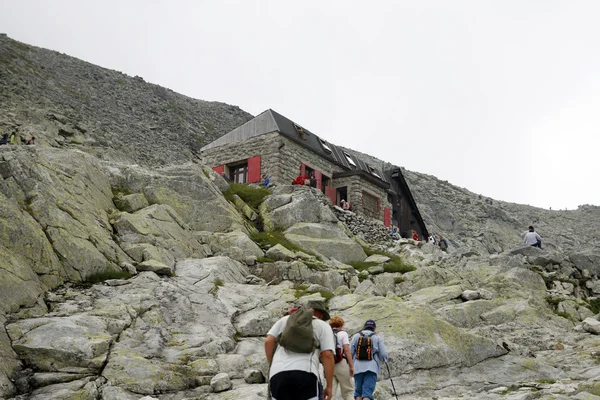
column 216, row 285
column 395, row 264
column 253, row 196
column 311, row 265
column 562, row 314
column 398, row 280
column 554, row 300
column 546, row 381
column 270, row 239
column 105, row 276
column 594, row 306
column 265, row 260
column 362, row 265
column 398, row 267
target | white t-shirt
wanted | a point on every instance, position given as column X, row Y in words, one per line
column 285, row 360
column 531, row 238
column 342, row 338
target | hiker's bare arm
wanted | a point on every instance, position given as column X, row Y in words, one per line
column 348, row 354
column 270, row 344
column 328, row 365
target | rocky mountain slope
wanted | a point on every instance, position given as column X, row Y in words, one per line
column 123, row 279
column 63, row 101
column 473, row 222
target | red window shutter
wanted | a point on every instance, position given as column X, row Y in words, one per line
column 386, row 217
column 302, row 169
column 254, row 169
column 219, row 169
column 319, row 178
column 331, row 194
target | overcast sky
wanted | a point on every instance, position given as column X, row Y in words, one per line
column 500, row 97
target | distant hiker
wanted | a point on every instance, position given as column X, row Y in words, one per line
column 431, row 239
column 532, row 238
column 266, row 180
column 345, row 205
column 344, row 365
column 31, row 141
column 313, row 180
column 13, row 138
column 293, row 347
column 299, row 180
column 368, row 353
column 395, row 234
column 404, row 235
column 415, row 236
column 443, row 244
column 4, row 139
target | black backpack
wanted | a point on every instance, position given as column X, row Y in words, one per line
column 338, row 354
column 364, row 348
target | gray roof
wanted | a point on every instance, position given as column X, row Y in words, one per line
column 271, row 121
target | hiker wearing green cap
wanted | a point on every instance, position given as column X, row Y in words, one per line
column 368, row 353
column 293, row 348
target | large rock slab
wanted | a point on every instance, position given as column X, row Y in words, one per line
column 157, row 352
column 587, row 260
column 9, row 364
column 73, row 344
column 236, row 245
column 160, row 226
column 414, row 337
column 289, row 205
column 54, row 224
column 326, row 239
column 186, row 188
column 85, row 389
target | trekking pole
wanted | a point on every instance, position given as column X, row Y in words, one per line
column 390, row 374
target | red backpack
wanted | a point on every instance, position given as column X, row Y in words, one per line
column 338, row 354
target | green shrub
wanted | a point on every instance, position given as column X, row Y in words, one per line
column 265, row 260
column 362, row 265
column 104, row 276
column 594, row 305
column 398, row 267
column 270, row 239
column 562, row 314
column 253, row 196
column 554, row 300
column 395, row 264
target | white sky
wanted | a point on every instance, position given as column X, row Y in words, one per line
column 501, row 97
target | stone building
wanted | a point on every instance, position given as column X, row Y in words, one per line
column 275, row 146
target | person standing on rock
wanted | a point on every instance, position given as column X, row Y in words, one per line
column 431, row 239
column 532, row 238
column 368, row 352
column 443, row 243
column 344, row 368
column 294, row 375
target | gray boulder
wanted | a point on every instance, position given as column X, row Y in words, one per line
column 328, row 240
column 293, row 204
column 220, row 383
column 280, row 253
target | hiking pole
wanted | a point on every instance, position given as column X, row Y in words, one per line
column 390, row 374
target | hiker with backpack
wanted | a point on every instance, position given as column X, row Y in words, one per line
column 344, row 365
column 293, row 347
column 368, row 353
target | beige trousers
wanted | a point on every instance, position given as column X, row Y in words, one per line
column 341, row 377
